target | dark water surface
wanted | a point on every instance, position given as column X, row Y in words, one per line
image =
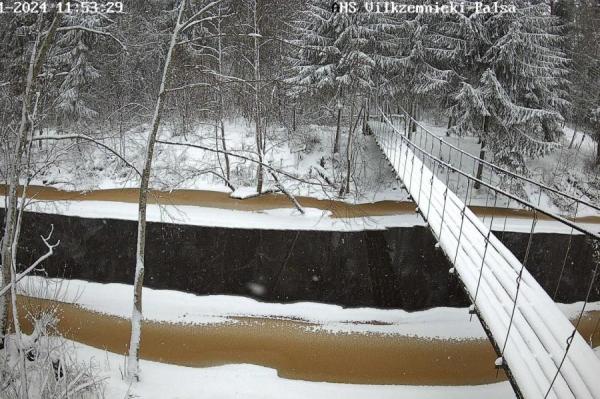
column 395, row 268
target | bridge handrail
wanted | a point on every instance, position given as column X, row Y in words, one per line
column 552, row 367
column 499, row 168
column 523, row 202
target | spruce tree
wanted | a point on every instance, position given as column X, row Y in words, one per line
column 334, row 57
column 514, row 93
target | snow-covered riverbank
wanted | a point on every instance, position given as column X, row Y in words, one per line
column 272, row 219
column 178, row 307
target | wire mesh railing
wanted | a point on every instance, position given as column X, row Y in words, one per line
column 542, row 359
column 521, row 186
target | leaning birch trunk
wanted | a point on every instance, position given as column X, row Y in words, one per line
column 38, row 56
column 221, row 102
column 136, row 317
column 260, row 138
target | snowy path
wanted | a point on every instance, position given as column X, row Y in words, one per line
column 536, row 340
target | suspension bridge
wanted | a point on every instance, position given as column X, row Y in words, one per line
column 540, row 350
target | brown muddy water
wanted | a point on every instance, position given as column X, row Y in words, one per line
column 214, row 199
column 296, row 349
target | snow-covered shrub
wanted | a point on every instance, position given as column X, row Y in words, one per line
column 45, row 366
column 308, row 137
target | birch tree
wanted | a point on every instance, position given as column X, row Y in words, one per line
column 39, row 52
column 133, row 371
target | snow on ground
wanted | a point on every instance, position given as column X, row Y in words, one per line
column 569, row 170
column 244, row 192
column 272, row 219
column 306, row 153
column 178, row 307
column 162, row 381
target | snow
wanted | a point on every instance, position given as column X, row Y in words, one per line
column 181, row 167
column 244, row 192
column 160, row 381
column 535, row 339
column 179, row 307
column 552, row 170
column 272, row 219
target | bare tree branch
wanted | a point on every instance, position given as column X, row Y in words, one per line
column 95, row 31
column 88, row 138
column 233, row 154
column 35, row 264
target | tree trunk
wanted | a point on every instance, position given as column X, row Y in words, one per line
column 37, row 59
column 582, row 140
column 598, row 148
column 221, row 102
column 414, row 117
column 480, row 164
column 449, row 126
column 259, row 128
column 345, row 189
column 336, row 141
column 133, row 371
column 573, row 137
column 477, row 185
column 224, row 145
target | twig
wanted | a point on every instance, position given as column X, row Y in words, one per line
column 35, row 264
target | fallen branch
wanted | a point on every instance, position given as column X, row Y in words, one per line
column 272, row 171
column 287, row 193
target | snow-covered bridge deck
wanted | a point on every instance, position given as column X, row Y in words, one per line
column 538, row 347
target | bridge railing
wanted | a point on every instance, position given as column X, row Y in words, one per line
column 521, row 186
column 542, row 360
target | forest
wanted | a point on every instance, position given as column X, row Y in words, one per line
column 254, row 97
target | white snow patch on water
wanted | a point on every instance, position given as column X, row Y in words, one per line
column 273, row 219
column 180, row 307
column 244, row 192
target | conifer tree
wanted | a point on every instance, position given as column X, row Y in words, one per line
column 513, row 96
column 73, row 56
column 334, row 56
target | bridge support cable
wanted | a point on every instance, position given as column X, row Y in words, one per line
column 520, row 317
column 497, row 174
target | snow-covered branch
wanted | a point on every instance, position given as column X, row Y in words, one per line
column 193, row 19
column 94, row 31
column 240, row 156
column 35, row 264
column 88, row 138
